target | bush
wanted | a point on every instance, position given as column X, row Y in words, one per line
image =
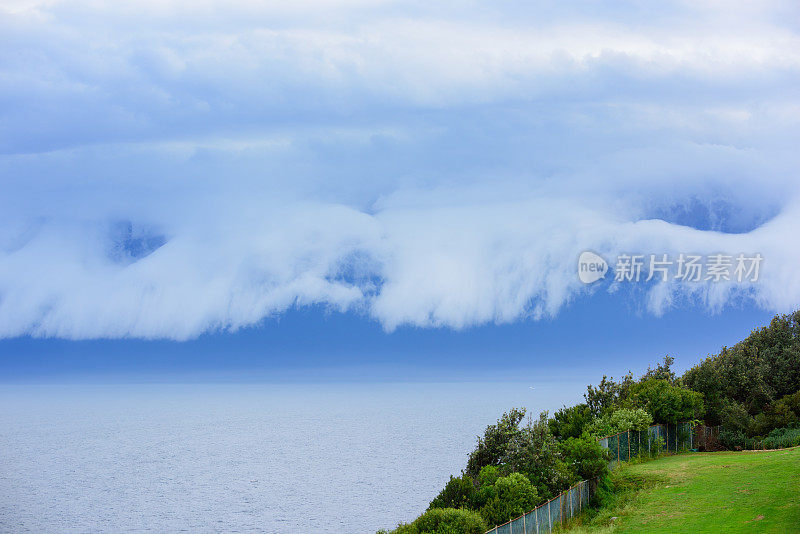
column 534, row 452
column 585, row 457
column 509, row 497
column 570, row 422
column 667, row 403
column 458, row 493
column 495, row 441
column 781, row 438
column 734, row 439
column 733, row 416
column 619, row 421
column 443, row 521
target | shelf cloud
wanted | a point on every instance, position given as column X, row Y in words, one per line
column 172, row 168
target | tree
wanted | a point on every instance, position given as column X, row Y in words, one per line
column 755, row 372
column 459, row 492
column 608, row 395
column 534, row 452
column 443, row 521
column 585, row 457
column 665, row 402
column 509, row 497
column 619, row 421
column 662, row 371
column 570, row 422
column 493, row 445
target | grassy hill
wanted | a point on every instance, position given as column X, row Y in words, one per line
column 726, row 492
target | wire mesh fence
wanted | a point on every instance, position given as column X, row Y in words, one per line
column 621, row 447
column 705, row 437
column 544, row 518
column 656, row 439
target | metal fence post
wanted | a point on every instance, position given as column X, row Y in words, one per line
column 571, row 510
column 549, row 516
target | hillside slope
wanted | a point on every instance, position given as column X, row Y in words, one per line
column 709, row 493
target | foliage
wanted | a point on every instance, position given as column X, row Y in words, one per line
column 508, row 497
column 619, row 421
column 459, row 492
column 492, row 447
column 658, row 446
column 755, row 372
column 735, row 439
column 663, row 371
column 667, row 403
column 443, row 521
column 569, row 422
column 534, row 452
column 781, row 438
column 734, row 417
column 752, row 388
column 607, row 395
column 585, row 457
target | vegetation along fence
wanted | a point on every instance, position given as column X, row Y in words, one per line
column 621, row 447
column 556, row 511
column 657, row 438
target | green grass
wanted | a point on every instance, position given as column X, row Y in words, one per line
column 722, row 492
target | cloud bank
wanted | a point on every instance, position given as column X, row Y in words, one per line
column 170, row 168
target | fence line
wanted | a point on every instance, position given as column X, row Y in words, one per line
column 554, row 512
column 631, row 443
column 675, row 436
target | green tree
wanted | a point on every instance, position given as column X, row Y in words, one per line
column 585, row 457
column 459, row 492
column 619, row 421
column 667, row 403
column 492, row 446
column 534, row 452
column 509, row 497
column 443, row 521
column 569, row 422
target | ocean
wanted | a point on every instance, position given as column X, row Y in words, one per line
column 344, row 458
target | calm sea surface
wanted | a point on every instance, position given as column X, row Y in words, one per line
column 239, row 458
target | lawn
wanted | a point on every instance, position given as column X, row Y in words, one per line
column 726, row 492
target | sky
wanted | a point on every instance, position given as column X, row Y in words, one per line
column 377, row 189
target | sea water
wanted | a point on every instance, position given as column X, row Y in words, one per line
column 345, row 458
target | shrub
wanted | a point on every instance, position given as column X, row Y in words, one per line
column 509, row 497
column 534, row 452
column 493, row 445
column 585, row 457
column 620, row 421
column 443, row 521
column 458, row 493
column 570, row 422
column 667, row 403
column 781, row 438
column 658, row 446
column 734, row 416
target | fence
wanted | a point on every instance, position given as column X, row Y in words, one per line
column 622, row 447
column 556, row 511
column 629, row 444
column 705, row 437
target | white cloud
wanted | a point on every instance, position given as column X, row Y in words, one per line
column 171, row 168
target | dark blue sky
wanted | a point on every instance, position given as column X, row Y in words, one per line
column 594, row 335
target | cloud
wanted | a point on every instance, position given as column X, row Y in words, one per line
column 172, row 168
